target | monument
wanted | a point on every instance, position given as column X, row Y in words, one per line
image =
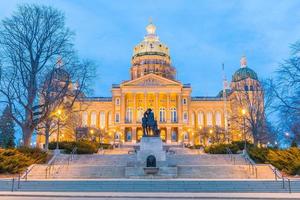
column 151, row 143
column 151, row 157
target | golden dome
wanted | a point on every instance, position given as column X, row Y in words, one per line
column 151, row 44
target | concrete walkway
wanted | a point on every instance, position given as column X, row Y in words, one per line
column 148, row 196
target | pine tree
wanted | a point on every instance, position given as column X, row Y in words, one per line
column 7, row 131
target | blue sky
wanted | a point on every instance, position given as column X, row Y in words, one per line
column 200, row 34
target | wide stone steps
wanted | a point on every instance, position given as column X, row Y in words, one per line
column 154, row 186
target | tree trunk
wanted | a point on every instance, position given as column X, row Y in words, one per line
column 27, row 134
column 47, row 134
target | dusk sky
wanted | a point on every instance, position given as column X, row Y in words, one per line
column 200, row 34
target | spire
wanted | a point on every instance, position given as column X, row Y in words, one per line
column 151, row 27
column 243, row 61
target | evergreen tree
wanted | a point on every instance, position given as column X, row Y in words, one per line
column 7, row 131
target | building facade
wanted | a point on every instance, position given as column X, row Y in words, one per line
column 182, row 119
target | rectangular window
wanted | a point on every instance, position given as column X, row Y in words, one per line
column 185, row 117
column 117, row 101
column 117, row 118
column 184, row 101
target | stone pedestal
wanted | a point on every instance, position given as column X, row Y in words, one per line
column 151, row 146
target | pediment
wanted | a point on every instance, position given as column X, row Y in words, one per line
column 151, row 80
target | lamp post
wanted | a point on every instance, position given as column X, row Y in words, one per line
column 92, row 133
column 244, row 132
column 58, row 114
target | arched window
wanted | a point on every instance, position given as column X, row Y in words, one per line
column 209, row 119
column 93, row 119
column 173, row 115
column 102, row 119
column 109, row 118
column 218, row 118
column 140, row 113
column 162, row 115
column 193, row 119
column 200, row 119
column 84, row 120
column 129, row 115
column 117, row 119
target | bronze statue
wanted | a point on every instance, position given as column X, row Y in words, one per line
column 149, row 124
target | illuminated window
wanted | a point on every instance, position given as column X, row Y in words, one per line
column 173, row 115
column 117, row 101
column 162, row 115
column 109, row 118
column 209, row 119
column 185, row 117
column 200, row 119
column 117, row 119
column 140, row 114
column 102, row 119
column 84, row 118
column 218, row 118
column 93, row 119
column 129, row 115
column 193, row 119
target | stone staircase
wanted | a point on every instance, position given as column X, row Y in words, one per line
column 189, row 165
column 174, row 185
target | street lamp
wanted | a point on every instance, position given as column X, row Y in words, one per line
column 58, row 114
column 92, row 133
column 244, row 132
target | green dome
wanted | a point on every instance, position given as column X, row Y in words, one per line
column 244, row 73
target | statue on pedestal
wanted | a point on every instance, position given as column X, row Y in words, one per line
column 149, row 124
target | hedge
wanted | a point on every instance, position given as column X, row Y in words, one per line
column 221, row 148
column 83, row 146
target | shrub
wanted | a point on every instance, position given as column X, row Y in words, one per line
column 105, row 146
column 16, row 160
column 221, row 148
column 83, row 146
column 286, row 160
column 259, row 155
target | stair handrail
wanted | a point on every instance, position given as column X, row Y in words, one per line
column 283, row 178
column 230, row 154
column 251, row 164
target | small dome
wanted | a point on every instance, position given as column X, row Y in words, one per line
column 244, row 72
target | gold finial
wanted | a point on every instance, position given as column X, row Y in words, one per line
column 150, row 20
column 150, row 28
column 243, row 61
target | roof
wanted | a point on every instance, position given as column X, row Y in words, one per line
column 96, row 99
column 244, row 73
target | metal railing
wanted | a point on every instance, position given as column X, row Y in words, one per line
column 51, row 170
column 251, row 164
column 283, row 178
column 230, row 154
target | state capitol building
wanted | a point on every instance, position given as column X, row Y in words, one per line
column 182, row 119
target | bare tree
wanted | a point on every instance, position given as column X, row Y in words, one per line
column 252, row 122
column 287, row 90
column 31, row 42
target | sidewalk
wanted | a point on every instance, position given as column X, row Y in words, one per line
column 121, row 195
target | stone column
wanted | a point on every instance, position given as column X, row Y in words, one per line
column 179, row 108
column 134, row 111
column 156, row 111
column 168, row 108
column 123, row 112
column 169, row 139
column 134, row 136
